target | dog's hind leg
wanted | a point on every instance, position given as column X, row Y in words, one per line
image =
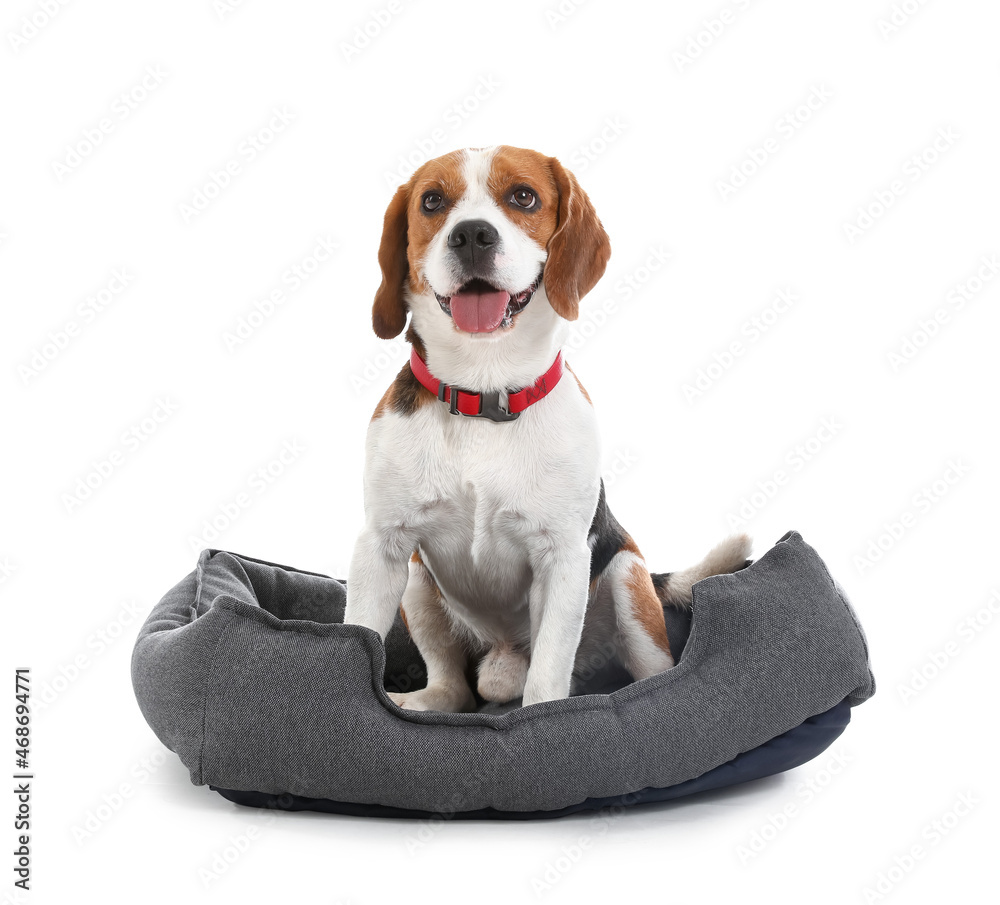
column 642, row 634
column 638, row 600
column 444, row 653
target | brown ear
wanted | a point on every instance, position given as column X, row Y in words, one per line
column 389, row 309
column 578, row 250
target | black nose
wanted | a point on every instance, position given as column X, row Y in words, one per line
column 474, row 242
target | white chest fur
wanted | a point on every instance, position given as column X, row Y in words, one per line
column 483, row 501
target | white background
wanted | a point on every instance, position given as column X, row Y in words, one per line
column 897, row 492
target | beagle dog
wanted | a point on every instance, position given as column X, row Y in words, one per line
column 485, row 514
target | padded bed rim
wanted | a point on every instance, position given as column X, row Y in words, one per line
column 783, row 752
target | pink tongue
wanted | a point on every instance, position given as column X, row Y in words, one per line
column 479, row 312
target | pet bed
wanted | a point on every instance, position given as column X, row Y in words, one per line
column 246, row 671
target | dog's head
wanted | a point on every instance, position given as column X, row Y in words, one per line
column 477, row 239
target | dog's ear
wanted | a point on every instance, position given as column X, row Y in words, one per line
column 579, row 249
column 389, row 309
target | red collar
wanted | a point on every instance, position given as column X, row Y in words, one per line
column 487, row 405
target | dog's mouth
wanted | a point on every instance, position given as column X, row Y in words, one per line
column 479, row 307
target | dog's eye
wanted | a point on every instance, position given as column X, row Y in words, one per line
column 523, row 198
column 432, row 201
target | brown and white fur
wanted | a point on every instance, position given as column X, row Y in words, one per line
column 495, row 538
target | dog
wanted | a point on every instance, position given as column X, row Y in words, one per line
column 485, row 513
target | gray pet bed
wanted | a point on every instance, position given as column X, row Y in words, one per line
column 246, row 671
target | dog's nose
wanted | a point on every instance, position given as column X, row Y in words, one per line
column 473, row 241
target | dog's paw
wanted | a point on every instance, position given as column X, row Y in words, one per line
column 502, row 674
column 449, row 698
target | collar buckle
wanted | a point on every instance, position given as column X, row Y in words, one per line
column 489, row 404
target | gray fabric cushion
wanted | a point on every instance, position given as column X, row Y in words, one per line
column 246, row 672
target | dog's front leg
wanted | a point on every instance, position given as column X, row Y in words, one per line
column 377, row 577
column 557, row 602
